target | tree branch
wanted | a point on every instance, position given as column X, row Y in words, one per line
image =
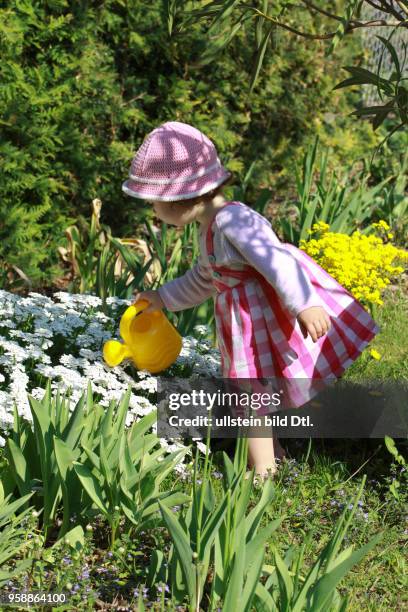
column 350, row 26
column 378, row 8
column 388, row 8
column 374, row 23
column 320, row 10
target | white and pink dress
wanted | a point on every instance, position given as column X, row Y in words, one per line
column 260, row 285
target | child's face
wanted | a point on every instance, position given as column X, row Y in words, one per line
column 175, row 213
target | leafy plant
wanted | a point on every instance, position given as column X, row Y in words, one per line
column 74, row 460
column 290, row 587
column 395, row 484
column 239, row 192
column 80, row 93
column 12, row 541
column 393, row 88
column 210, row 529
column 94, row 255
column 343, row 207
column 122, row 474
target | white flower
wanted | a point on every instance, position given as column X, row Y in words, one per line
column 7, row 323
column 201, row 446
column 64, row 344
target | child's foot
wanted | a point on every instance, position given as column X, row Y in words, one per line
column 263, row 473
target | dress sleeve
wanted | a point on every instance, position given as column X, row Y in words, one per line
column 253, row 237
column 194, row 287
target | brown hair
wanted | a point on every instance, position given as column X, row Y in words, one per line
column 210, row 194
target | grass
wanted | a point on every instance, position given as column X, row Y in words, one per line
column 391, row 342
column 311, row 488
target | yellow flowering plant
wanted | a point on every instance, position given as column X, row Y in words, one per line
column 363, row 263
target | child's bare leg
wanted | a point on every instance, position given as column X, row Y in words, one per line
column 261, row 454
column 262, row 451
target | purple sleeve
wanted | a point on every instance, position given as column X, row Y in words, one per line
column 252, row 235
column 194, row 287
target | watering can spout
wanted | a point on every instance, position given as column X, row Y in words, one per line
column 115, row 352
column 150, row 340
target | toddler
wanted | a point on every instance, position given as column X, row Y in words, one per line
column 277, row 312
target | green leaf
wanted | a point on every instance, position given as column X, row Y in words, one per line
column 324, row 587
column 393, row 53
column 285, row 581
column 182, row 544
column 351, row 6
column 74, row 538
column 91, row 486
column 233, row 597
column 19, row 468
column 260, row 57
column 8, row 509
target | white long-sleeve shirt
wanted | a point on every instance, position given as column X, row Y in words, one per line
column 243, row 236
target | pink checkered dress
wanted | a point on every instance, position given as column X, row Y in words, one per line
column 259, row 338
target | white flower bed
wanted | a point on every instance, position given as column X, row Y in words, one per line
column 62, row 339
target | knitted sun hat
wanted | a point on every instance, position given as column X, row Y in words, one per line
column 175, row 162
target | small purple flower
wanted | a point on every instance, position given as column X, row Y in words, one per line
column 350, row 506
column 110, row 554
column 333, row 502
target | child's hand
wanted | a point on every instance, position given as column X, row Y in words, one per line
column 314, row 321
column 152, row 296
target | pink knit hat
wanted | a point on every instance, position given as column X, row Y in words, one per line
column 175, row 162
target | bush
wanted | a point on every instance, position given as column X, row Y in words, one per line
column 84, row 83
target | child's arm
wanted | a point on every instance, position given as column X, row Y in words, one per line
column 190, row 289
column 252, row 235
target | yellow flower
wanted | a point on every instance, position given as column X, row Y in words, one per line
column 375, row 354
column 381, row 225
column 363, row 264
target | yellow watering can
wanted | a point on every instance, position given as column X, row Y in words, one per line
column 150, row 340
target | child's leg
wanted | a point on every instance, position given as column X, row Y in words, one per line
column 262, row 451
column 261, row 454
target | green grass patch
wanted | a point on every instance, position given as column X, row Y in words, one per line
column 391, row 342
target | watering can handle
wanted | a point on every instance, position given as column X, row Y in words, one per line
column 139, row 306
column 130, row 313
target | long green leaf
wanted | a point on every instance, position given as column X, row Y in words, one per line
column 182, row 544
column 19, row 468
column 324, row 587
column 91, row 486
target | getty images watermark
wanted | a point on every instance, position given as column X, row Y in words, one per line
column 300, row 408
column 210, row 401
